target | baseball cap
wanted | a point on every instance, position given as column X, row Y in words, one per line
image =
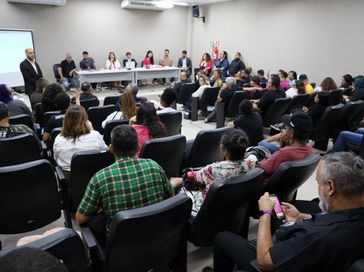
column 298, row 121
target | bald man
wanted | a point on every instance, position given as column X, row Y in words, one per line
column 31, row 71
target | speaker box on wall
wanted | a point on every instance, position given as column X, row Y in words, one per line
column 195, row 11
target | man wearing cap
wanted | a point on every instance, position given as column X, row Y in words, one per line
column 297, row 129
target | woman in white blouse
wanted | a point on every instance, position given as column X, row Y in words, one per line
column 76, row 135
column 113, row 63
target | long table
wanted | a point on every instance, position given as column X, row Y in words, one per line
column 133, row 75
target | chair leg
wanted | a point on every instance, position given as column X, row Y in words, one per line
column 194, row 109
column 220, row 115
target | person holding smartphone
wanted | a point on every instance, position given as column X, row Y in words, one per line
column 329, row 241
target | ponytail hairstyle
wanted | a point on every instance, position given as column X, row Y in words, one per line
column 235, row 142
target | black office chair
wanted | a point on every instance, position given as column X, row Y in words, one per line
column 110, row 126
column 162, row 150
column 208, row 98
column 55, row 71
column 111, row 100
column 84, row 165
column 336, row 97
column 205, row 149
column 39, row 114
column 231, row 110
column 88, row 103
column 361, row 152
column 97, row 115
column 172, row 122
column 326, row 126
column 19, row 149
column 54, row 134
column 47, row 115
column 22, row 119
column 348, row 119
column 289, row 176
column 226, row 208
column 152, row 238
column 30, row 192
column 187, row 89
column 276, row 110
column 298, row 102
column 66, row 245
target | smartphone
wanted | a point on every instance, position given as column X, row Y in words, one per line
column 277, row 207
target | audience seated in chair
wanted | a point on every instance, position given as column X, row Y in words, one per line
column 299, row 244
column 167, row 99
column 49, row 96
column 15, row 106
column 283, row 79
column 141, row 182
column 273, row 92
column 236, row 65
column 203, row 82
column 250, row 122
column 224, row 96
column 147, row 124
column 233, row 146
column 37, row 96
column 308, row 86
column 77, row 134
column 216, row 80
column 127, row 106
column 263, row 79
column 347, row 140
column 292, row 77
column 183, row 78
column 358, row 92
column 298, row 87
column 254, row 86
column 7, row 130
column 222, row 65
column 297, row 129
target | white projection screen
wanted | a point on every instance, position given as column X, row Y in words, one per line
column 13, row 42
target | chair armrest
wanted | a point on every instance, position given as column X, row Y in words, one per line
column 96, row 251
column 60, row 175
column 220, row 114
column 194, row 108
column 66, row 205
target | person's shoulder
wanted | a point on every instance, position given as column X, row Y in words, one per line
column 149, row 163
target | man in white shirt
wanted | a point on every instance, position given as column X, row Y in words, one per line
column 168, row 97
column 31, row 71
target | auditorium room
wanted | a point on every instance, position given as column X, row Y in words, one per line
column 181, row 135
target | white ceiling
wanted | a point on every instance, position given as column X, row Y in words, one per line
column 198, row 2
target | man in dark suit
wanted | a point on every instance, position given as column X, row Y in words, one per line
column 185, row 63
column 31, row 71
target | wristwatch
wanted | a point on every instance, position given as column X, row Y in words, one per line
column 261, row 212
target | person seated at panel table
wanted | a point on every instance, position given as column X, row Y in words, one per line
column 185, row 64
column 166, row 61
column 112, row 63
column 129, row 62
column 233, row 145
column 67, row 71
column 127, row 108
column 88, row 63
column 148, row 62
column 223, row 64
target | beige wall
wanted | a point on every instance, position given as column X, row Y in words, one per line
column 318, row 37
column 96, row 26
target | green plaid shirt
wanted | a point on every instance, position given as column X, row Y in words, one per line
column 127, row 184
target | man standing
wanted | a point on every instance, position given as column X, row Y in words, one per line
column 185, row 63
column 67, row 71
column 31, row 71
column 236, row 65
column 129, row 183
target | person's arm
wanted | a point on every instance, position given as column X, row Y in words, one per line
column 292, row 214
column 60, row 72
column 276, row 137
column 46, row 136
column 264, row 237
column 226, row 65
column 71, row 73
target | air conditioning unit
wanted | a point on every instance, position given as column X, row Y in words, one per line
column 147, row 5
column 41, row 2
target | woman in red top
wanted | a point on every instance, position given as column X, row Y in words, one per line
column 206, row 64
column 147, row 124
column 148, row 61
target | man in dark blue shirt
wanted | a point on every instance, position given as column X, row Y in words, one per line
column 236, row 65
column 87, row 62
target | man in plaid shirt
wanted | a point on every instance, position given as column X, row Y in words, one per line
column 129, row 183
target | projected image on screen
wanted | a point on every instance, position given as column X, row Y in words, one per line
column 12, row 46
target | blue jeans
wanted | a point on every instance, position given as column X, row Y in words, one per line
column 70, row 83
column 270, row 146
column 347, row 139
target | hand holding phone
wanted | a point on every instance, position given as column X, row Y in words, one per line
column 277, row 207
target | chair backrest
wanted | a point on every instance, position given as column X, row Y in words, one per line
column 226, row 207
column 97, row 115
column 39, row 114
column 54, row 134
column 111, row 100
column 233, row 107
column 47, row 115
column 162, row 150
column 148, row 238
column 358, row 266
column 276, row 110
column 206, row 147
column 19, row 149
column 66, row 245
column 84, row 165
column 348, row 117
column 327, row 123
column 55, row 71
column 208, row 97
column 110, row 126
column 22, row 119
column 88, row 103
column 298, row 102
column 28, row 196
column 185, row 93
column 336, row 97
column 362, row 148
column 172, row 122
column 289, row 176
